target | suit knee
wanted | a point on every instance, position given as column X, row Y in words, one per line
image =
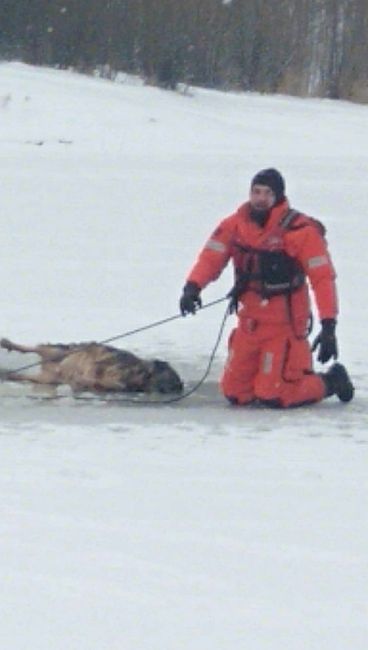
column 267, row 391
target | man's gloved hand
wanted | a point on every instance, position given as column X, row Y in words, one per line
column 233, row 296
column 190, row 300
column 326, row 341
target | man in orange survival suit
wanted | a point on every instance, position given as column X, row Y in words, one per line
column 274, row 250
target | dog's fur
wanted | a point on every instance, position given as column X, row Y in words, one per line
column 97, row 368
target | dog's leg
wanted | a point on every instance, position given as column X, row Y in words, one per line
column 47, row 352
column 42, row 378
column 15, row 347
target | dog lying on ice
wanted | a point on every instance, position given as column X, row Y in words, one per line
column 97, row 368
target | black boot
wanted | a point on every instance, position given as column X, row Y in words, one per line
column 338, row 383
column 233, row 400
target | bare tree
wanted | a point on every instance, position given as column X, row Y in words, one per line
column 307, row 47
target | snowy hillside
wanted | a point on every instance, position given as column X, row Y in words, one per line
column 191, row 526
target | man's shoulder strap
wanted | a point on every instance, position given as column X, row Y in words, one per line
column 288, row 218
column 288, row 221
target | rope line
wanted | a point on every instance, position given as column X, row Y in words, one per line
column 158, row 323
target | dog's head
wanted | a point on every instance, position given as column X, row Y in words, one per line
column 163, row 378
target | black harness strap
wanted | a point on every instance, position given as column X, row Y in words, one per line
column 270, row 263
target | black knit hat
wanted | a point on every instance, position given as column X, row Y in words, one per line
column 273, row 179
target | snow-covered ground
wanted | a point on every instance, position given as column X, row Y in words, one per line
column 190, row 526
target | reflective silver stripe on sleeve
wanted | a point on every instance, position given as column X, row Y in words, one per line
column 215, row 245
column 314, row 262
column 267, row 363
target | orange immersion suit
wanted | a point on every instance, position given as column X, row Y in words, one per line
column 269, row 356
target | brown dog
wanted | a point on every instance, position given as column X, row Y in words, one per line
column 95, row 367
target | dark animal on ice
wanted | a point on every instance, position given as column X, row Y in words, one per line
column 95, row 367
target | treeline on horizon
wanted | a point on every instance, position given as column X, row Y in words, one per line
column 301, row 47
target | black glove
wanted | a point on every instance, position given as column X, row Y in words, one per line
column 326, row 341
column 233, row 296
column 190, row 300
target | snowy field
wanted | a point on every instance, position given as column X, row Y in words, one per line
column 189, row 526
